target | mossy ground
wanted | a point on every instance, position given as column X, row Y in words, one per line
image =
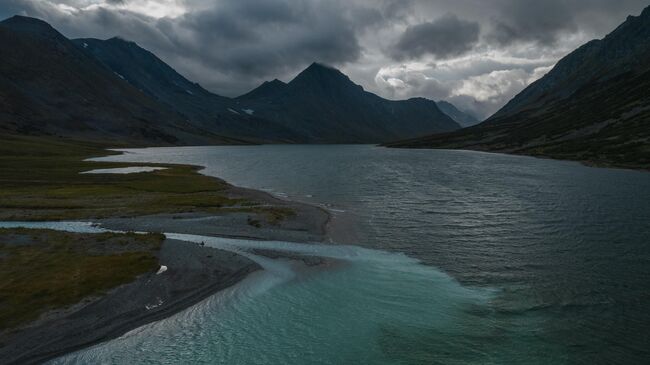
column 40, row 180
column 41, row 270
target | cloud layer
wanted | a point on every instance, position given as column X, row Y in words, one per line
column 476, row 54
column 443, row 38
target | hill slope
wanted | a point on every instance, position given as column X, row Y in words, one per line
column 325, row 106
column 116, row 90
column 206, row 110
column 49, row 87
column 460, row 117
column 275, row 111
column 594, row 106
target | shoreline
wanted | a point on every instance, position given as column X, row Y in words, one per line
column 598, row 164
column 148, row 299
column 195, row 273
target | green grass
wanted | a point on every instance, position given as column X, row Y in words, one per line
column 41, row 270
column 40, row 180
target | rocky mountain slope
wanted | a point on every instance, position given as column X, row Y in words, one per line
column 460, row 117
column 115, row 90
column 206, row 110
column 325, row 106
column 275, row 111
column 593, row 106
column 48, row 86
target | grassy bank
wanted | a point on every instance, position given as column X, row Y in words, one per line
column 41, row 270
column 40, row 180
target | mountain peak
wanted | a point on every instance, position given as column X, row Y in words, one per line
column 274, row 82
column 267, row 89
column 645, row 12
column 320, row 66
column 21, row 19
column 118, row 41
column 28, row 25
column 323, row 76
column 633, row 21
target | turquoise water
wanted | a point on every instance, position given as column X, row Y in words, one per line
column 451, row 257
column 369, row 306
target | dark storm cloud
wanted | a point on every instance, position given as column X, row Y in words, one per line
column 252, row 37
column 11, row 7
column 547, row 22
column 233, row 43
column 443, row 38
column 536, row 21
column 230, row 46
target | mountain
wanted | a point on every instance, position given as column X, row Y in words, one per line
column 593, row 106
column 115, row 90
column 321, row 105
column 460, row 117
column 325, row 106
column 206, row 110
column 266, row 114
column 267, row 90
column 48, row 86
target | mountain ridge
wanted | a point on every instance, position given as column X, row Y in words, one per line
column 465, row 119
column 266, row 113
column 48, row 86
column 116, row 89
column 206, row 110
column 325, row 105
column 602, row 117
column 621, row 46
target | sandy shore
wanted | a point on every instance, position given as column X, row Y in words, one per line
column 309, row 224
column 194, row 273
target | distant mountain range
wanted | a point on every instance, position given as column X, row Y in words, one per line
column 465, row 119
column 593, row 106
column 323, row 105
column 146, row 72
column 115, row 90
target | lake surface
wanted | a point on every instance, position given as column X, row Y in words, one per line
column 451, row 257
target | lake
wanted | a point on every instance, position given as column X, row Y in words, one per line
column 452, row 257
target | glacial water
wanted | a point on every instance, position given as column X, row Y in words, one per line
column 442, row 257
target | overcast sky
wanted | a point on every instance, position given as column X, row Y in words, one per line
column 476, row 54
